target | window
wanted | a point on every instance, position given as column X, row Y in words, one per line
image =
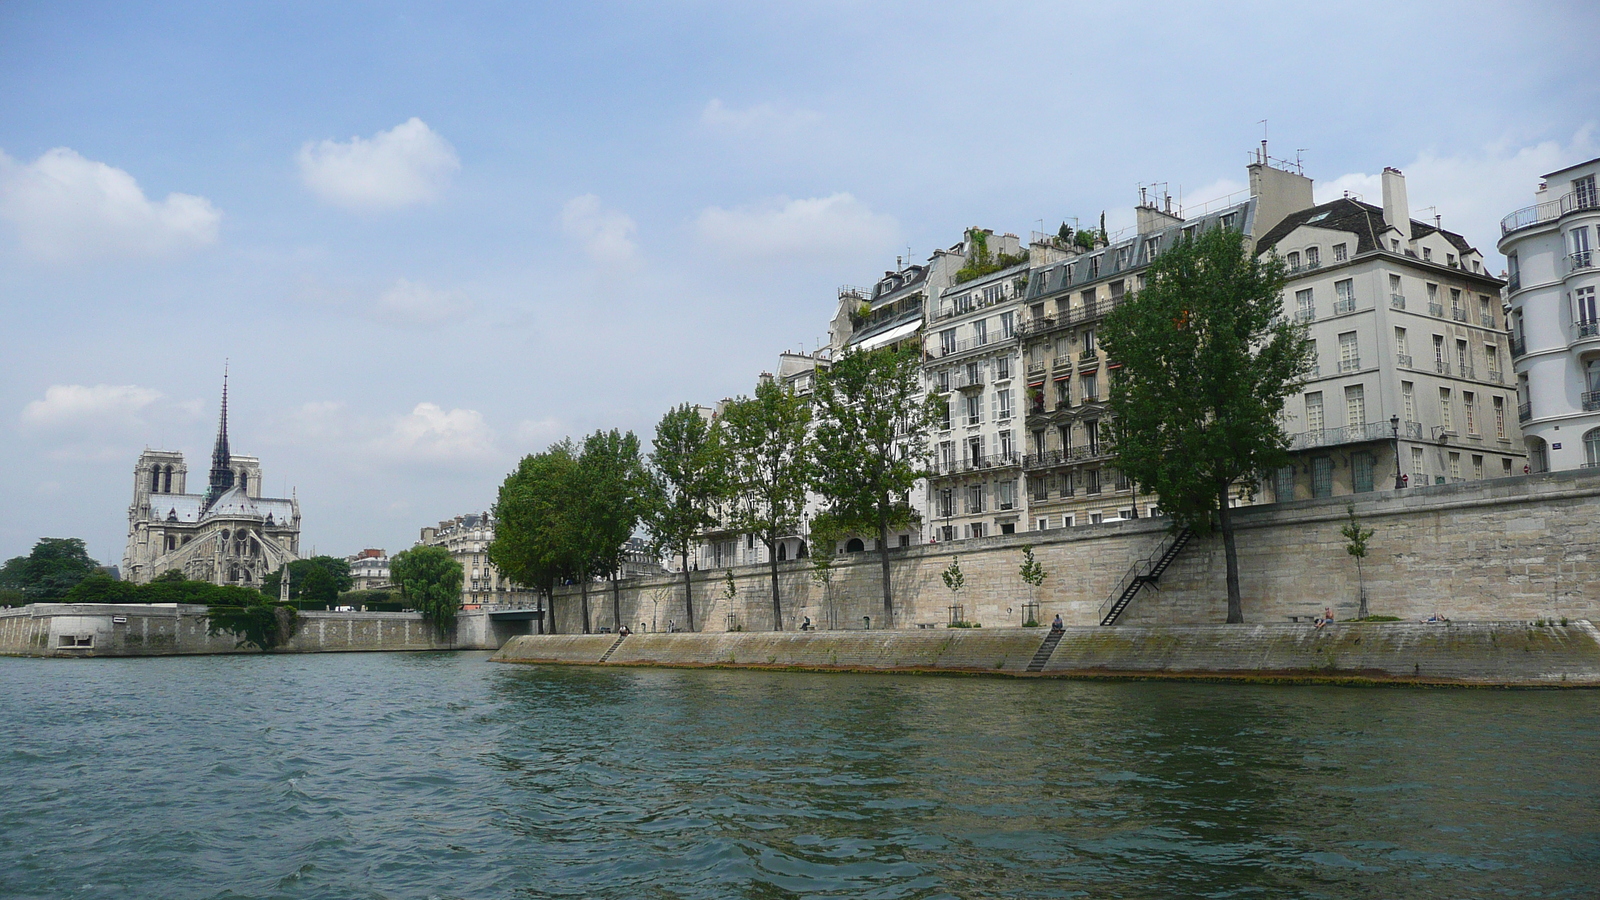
column 1118, row 288
column 1455, row 467
column 980, row 332
column 1094, row 268
column 1293, row 260
column 1477, row 467
column 1305, row 309
column 946, row 504
column 1043, row 523
column 1469, row 405
column 1229, row 221
column 1434, row 309
column 1007, row 448
column 1417, row 471
column 1068, row 486
column 1462, row 360
column 1355, row 406
column 1091, row 481
column 1427, row 253
column 1446, row 414
column 1340, row 253
column 1513, row 272
column 1485, row 311
column 1349, row 354
column 1003, row 408
column 947, row 342
column 1152, row 247
column 1088, row 340
column 1439, row 365
column 1002, row 368
column 1092, row 429
column 1039, row 489
column 1283, row 484
column 974, row 499
column 1322, row 477
column 1314, row 411
column 1400, row 348
column 1583, row 190
column 1313, row 257
column 1063, row 394
column 1006, row 495
column 1456, row 311
column 1408, row 399
column 1591, row 448
column 1345, row 294
column 1491, row 353
column 1090, row 389
column 1586, row 311
column 975, row 529
column 1500, row 417
column 1008, row 325
column 974, row 409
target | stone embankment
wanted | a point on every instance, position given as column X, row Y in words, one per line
column 1505, row 654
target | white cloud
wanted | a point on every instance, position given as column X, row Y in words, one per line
column 102, row 421
column 428, row 435
column 65, row 207
column 532, row 433
column 432, row 434
column 408, row 164
column 1474, row 190
column 759, row 117
column 416, row 303
column 834, row 225
column 606, row 235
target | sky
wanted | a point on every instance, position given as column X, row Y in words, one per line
column 429, row 239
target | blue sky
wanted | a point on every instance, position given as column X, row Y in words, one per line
column 433, row 238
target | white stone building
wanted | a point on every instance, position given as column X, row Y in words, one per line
column 1551, row 255
column 467, row 538
column 369, row 570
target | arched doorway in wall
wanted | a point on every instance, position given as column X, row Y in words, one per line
column 1538, row 455
column 1591, row 448
column 854, row 545
column 783, row 551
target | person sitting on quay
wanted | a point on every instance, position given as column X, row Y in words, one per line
column 1056, row 625
column 1325, row 619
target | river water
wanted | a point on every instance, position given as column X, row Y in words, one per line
column 443, row 775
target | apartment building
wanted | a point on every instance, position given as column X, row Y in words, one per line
column 1551, row 257
column 369, row 570
column 467, row 538
column 972, row 363
column 1412, row 382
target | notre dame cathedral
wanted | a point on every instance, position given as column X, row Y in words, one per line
column 228, row 535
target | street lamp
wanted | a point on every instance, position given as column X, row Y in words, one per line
column 1399, row 480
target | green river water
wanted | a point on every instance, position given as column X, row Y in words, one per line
column 443, row 775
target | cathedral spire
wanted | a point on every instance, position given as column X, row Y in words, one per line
column 221, row 460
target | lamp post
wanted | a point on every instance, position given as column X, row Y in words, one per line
column 1399, row 480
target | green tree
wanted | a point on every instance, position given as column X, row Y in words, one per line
column 684, row 482
column 871, row 443
column 769, row 465
column 47, row 573
column 1033, row 575
column 532, row 535
column 318, row 579
column 613, row 489
column 431, row 579
column 1209, row 363
column 1356, row 539
column 102, row 588
column 955, row 580
column 825, row 535
column 170, row 575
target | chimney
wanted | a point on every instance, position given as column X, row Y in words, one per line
column 1279, row 193
column 1396, row 210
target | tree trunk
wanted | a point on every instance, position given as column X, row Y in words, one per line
column 777, row 608
column 1361, row 585
column 883, row 566
column 583, row 590
column 616, row 598
column 688, row 589
column 1231, row 554
column 550, row 609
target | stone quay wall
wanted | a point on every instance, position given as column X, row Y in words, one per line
column 93, row 629
column 1514, row 548
column 1501, row 654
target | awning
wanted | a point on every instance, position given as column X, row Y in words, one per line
column 888, row 337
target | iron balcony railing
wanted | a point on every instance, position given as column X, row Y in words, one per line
column 1403, row 360
column 1436, row 310
column 1519, row 346
column 1341, row 307
column 1586, row 329
column 1353, row 364
column 1087, row 312
column 973, row 464
column 1486, row 320
column 1037, row 367
column 1398, row 301
column 1353, row 434
column 1583, row 259
column 1469, row 372
column 1549, row 211
column 1442, row 367
column 1457, row 313
column 1063, row 363
column 1524, row 411
column 1305, row 315
column 963, row 380
column 1497, row 376
column 1591, row 401
column 1070, row 455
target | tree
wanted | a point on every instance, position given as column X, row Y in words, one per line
column 51, row 570
column 825, row 535
column 1033, row 575
column 955, row 581
column 1357, row 538
column 431, row 579
column 532, row 540
column 871, row 443
column 769, row 465
column 1209, row 363
column 684, row 481
column 318, row 579
column 170, row 576
column 612, row 491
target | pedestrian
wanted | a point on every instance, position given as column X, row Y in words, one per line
column 1326, row 619
column 1056, row 625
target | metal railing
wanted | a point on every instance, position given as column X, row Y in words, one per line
column 1353, row 364
column 1591, row 401
column 1403, row 360
column 1442, row 367
column 1524, row 411
column 1497, row 376
column 1397, row 301
column 1063, row 362
column 1469, row 372
column 1519, row 346
column 1305, row 315
column 963, row 380
column 973, row 464
column 1486, row 320
column 1548, row 211
column 1586, row 329
column 1349, row 434
column 1457, row 313
column 1037, row 367
column 1082, row 453
column 1583, row 259
column 1436, row 310
column 1341, row 307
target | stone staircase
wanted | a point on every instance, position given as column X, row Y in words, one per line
column 1048, row 647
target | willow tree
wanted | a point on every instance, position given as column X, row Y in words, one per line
column 768, row 458
column 431, row 579
column 684, row 481
column 871, row 443
column 1208, row 363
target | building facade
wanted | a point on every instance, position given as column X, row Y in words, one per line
column 228, row 535
column 369, row 570
column 467, row 539
column 1551, row 255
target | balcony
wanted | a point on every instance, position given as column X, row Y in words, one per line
column 1518, row 347
column 1583, row 259
column 1037, row 367
column 1344, row 306
column 1305, row 315
column 1583, row 330
column 1497, row 376
column 1436, row 310
column 1442, row 367
column 1403, row 360
column 973, row 464
column 1068, row 456
column 1549, row 211
column 1591, row 401
column 1349, row 434
column 1063, row 363
column 1397, row 301
column 1352, row 364
column 1469, row 372
column 1486, row 320
column 1457, row 313
column 962, row 381
column 1524, row 411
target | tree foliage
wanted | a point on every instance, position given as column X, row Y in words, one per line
column 319, row 579
column 532, row 541
column 1356, row 538
column 1209, row 363
column 768, row 455
column 47, row 573
column 252, row 617
column 431, row 580
column 871, row 446
column 611, row 492
column 684, row 482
